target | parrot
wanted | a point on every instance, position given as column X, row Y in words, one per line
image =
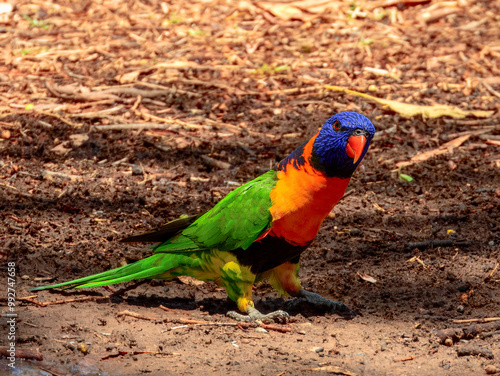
column 259, row 230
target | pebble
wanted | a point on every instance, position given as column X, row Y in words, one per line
column 136, row 170
column 448, row 342
column 490, row 369
column 382, row 345
column 260, row 330
column 318, row 349
column 460, row 309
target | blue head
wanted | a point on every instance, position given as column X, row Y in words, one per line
column 341, row 144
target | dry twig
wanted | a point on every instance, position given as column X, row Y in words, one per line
column 23, row 353
column 456, row 334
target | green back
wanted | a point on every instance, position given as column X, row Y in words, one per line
column 235, row 222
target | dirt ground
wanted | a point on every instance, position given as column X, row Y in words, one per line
column 117, row 116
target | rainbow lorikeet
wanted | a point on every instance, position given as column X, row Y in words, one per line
column 258, row 231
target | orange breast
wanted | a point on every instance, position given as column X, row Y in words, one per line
column 301, row 200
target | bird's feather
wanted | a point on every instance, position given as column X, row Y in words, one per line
column 235, row 222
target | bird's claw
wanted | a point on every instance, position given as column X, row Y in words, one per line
column 254, row 315
column 332, row 306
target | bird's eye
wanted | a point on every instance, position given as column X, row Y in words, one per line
column 336, row 125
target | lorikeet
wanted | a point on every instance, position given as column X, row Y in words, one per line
column 259, row 230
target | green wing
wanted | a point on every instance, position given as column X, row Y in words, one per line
column 235, row 222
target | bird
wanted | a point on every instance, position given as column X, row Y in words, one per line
column 259, row 230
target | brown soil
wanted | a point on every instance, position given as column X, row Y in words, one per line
column 244, row 86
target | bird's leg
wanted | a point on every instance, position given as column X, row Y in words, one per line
column 253, row 314
column 238, row 281
column 285, row 278
column 321, row 302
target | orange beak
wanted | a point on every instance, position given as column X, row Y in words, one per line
column 355, row 147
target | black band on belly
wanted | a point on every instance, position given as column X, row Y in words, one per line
column 268, row 253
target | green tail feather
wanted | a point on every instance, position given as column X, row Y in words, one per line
column 143, row 269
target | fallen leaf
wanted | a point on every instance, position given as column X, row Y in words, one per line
column 409, row 110
column 78, row 139
column 283, row 11
column 443, row 149
column 366, row 277
column 304, row 10
column 128, row 78
column 61, row 149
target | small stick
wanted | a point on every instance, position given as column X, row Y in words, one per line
column 438, row 243
column 27, row 297
column 136, row 315
column 74, row 300
column 456, row 334
column 31, row 301
column 195, row 322
column 474, row 350
column 487, row 319
column 415, row 356
column 241, row 325
column 133, row 126
column 75, row 125
column 20, row 352
column 215, row 163
column 172, row 310
column 137, row 103
column 121, row 353
column 294, row 90
column 61, row 175
column 99, row 114
column 490, row 89
column 491, row 274
column 276, row 328
column 406, row 359
column 347, row 194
